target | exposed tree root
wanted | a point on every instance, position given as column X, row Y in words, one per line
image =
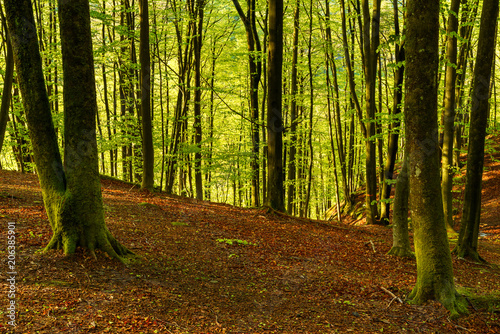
column 468, row 253
column 104, row 241
column 443, row 293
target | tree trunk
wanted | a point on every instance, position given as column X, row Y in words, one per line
column 7, row 85
column 370, row 46
column 434, row 266
column 471, row 216
column 449, row 116
column 292, row 170
column 197, row 44
column 72, row 195
column 392, row 148
column 255, row 68
column 275, row 192
column 400, row 239
column 148, row 153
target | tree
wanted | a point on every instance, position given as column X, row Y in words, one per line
column 471, row 217
column 449, row 115
column 371, row 54
column 7, row 85
column 197, row 44
column 148, row 153
column 255, row 69
column 400, row 238
column 392, row 146
column 434, row 266
column 71, row 193
column 292, row 152
column 275, row 191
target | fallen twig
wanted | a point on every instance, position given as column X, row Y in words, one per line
column 392, row 295
column 373, row 245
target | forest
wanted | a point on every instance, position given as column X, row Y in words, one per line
column 329, row 117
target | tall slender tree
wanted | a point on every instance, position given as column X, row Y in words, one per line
column 392, row 146
column 275, row 191
column 197, row 44
column 371, row 41
column 449, row 115
column 471, row 216
column 7, row 84
column 148, row 154
column 255, row 69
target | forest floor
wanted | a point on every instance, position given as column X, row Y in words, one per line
column 203, row 267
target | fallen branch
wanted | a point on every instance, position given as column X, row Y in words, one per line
column 373, row 245
column 394, row 297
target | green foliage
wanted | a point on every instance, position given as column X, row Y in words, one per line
column 235, row 242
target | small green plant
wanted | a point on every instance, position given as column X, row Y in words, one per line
column 179, row 224
column 235, row 241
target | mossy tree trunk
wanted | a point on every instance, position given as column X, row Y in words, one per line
column 400, row 238
column 71, row 193
column 434, row 266
column 469, row 230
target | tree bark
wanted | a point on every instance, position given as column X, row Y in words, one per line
column 148, row 153
column 400, row 238
column 7, row 85
column 392, row 146
column 370, row 46
column 471, row 216
column 434, row 266
column 292, row 165
column 449, row 116
column 275, row 191
column 255, row 68
column 72, row 195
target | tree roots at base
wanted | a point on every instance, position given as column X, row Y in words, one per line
column 103, row 241
column 446, row 295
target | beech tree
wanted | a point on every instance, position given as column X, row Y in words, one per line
column 400, row 238
column 147, row 132
column 449, row 115
column 275, row 191
column 434, row 266
column 71, row 192
column 471, row 217
column 7, row 85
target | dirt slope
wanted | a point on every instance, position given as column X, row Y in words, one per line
column 213, row 268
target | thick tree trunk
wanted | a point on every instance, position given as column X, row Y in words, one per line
column 434, row 266
column 469, row 231
column 72, row 195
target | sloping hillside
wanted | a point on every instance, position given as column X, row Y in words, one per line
column 213, row 268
